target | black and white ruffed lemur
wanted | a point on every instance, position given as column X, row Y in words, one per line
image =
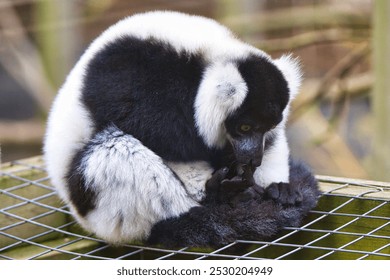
column 170, row 130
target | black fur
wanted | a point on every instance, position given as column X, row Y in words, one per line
column 216, row 224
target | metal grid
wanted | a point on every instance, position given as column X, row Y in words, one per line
column 351, row 221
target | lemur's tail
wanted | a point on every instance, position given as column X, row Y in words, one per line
column 219, row 224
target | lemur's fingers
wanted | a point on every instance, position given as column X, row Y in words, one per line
column 216, row 179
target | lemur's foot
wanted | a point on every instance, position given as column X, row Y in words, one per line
column 284, row 193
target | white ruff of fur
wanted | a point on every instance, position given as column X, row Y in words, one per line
column 290, row 67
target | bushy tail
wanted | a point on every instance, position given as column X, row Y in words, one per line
column 260, row 219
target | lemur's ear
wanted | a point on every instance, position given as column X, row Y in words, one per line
column 291, row 69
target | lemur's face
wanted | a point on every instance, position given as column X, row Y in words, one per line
column 243, row 100
column 261, row 111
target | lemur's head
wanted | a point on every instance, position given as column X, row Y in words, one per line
column 245, row 102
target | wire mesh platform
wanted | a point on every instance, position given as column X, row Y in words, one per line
column 351, row 221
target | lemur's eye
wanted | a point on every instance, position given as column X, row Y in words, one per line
column 245, row 127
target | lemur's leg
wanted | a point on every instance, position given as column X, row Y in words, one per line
column 119, row 188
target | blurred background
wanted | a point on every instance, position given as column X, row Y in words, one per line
column 340, row 121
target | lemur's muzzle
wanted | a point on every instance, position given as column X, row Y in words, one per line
column 249, row 149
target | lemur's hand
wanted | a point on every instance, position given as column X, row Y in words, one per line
column 240, row 188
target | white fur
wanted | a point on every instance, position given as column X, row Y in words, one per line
column 194, row 176
column 274, row 167
column 220, row 93
column 291, row 70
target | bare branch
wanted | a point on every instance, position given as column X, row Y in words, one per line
column 334, row 74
